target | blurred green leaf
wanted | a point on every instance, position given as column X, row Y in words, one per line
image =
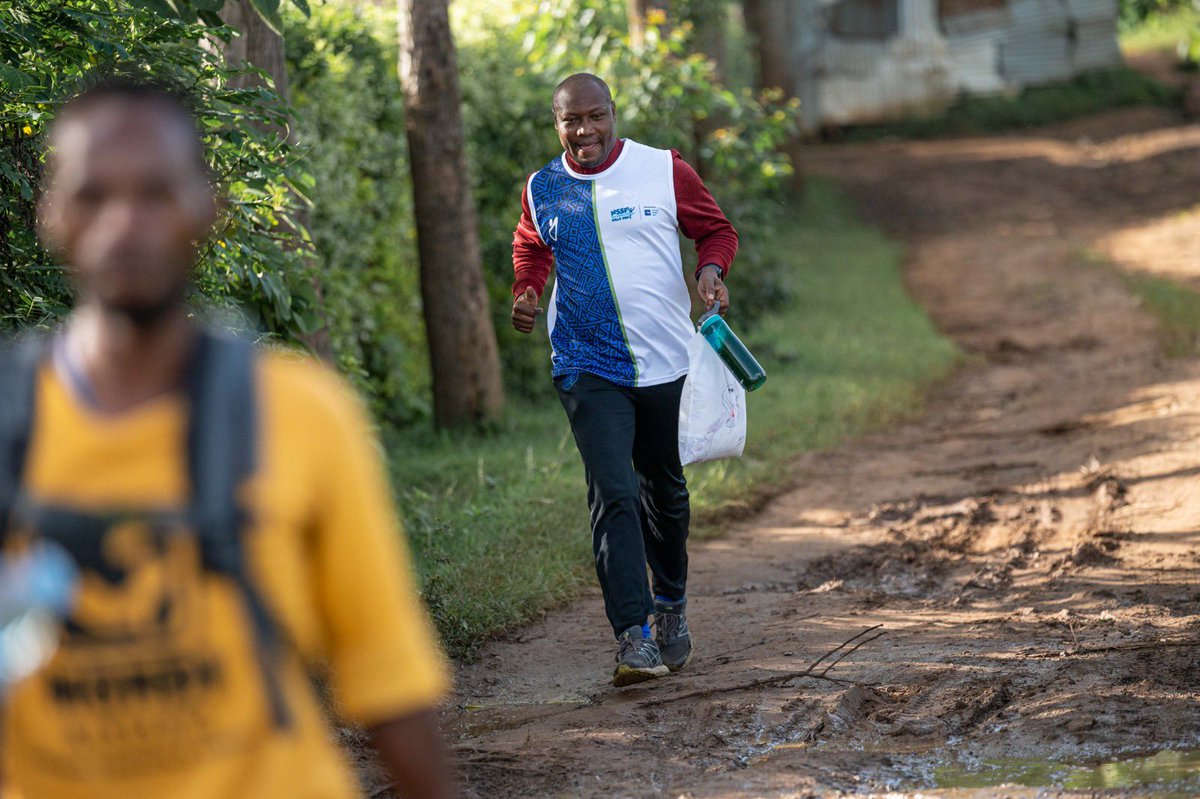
column 160, row 7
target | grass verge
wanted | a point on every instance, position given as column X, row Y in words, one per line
column 1090, row 92
column 498, row 523
column 1175, row 306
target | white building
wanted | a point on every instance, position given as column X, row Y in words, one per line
column 863, row 61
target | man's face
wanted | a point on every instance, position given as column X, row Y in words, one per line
column 586, row 122
column 126, row 205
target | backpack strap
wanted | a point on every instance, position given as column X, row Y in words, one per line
column 222, row 452
column 221, row 449
column 19, row 362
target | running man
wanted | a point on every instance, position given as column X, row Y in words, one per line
column 606, row 215
column 183, row 666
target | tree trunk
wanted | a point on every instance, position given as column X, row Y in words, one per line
column 710, row 35
column 462, row 343
column 709, row 19
column 258, row 45
column 770, row 24
column 638, row 11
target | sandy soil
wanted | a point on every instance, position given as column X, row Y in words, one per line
column 1021, row 566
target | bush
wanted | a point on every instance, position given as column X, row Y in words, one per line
column 349, row 124
column 49, row 49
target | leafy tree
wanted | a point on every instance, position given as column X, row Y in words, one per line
column 49, row 49
column 349, row 128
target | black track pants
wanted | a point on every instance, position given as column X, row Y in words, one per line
column 638, row 498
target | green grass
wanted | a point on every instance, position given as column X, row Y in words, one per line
column 498, row 522
column 1091, row 92
column 1159, row 32
column 1176, row 308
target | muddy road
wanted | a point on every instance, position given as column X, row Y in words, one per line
column 1021, row 567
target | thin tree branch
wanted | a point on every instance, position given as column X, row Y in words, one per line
column 779, row 679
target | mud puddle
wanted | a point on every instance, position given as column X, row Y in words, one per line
column 1167, row 773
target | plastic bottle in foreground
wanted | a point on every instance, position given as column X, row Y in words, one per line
column 36, row 590
column 733, row 352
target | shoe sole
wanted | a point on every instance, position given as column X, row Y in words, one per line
column 628, row 675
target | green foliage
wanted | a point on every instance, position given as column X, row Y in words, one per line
column 208, row 11
column 499, row 523
column 510, row 133
column 350, row 130
column 1089, row 93
column 1133, row 13
column 51, row 48
column 1174, row 27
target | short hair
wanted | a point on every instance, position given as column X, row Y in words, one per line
column 578, row 79
column 139, row 91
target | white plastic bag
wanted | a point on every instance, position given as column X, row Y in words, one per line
column 712, row 409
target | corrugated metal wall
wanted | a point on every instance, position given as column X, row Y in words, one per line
column 1095, row 39
column 874, row 77
column 1037, row 45
column 858, row 69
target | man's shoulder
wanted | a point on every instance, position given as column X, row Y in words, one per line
column 552, row 167
column 637, row 146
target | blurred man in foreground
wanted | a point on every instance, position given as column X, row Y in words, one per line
column 226, row 509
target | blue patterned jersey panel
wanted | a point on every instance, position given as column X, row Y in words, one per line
column 587, row 335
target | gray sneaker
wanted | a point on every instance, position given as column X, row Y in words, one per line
column 672, row 634
column 637, row 659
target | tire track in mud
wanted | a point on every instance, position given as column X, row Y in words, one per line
column 1029, row 547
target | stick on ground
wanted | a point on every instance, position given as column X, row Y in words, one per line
column 779, row 679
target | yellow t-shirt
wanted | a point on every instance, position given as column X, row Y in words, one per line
column 155, row 690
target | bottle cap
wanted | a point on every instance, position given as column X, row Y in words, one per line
column 713, row 313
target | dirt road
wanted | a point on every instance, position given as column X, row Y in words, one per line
column 1029, row 550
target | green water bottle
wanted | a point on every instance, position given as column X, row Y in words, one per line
column 733, row 352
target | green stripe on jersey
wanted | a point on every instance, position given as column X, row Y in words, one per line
column 612, row 289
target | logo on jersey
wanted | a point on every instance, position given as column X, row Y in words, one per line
column 650, row 210
column 553, row 231
column 622, row 214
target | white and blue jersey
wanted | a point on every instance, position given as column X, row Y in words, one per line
column 620, row 308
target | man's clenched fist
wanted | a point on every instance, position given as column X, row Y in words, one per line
column 525, row 311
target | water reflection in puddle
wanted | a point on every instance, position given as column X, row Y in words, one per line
column 1168, row 773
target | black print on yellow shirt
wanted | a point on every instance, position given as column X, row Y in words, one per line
column 137, row 577
column 143, row 681
column 171, row 653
